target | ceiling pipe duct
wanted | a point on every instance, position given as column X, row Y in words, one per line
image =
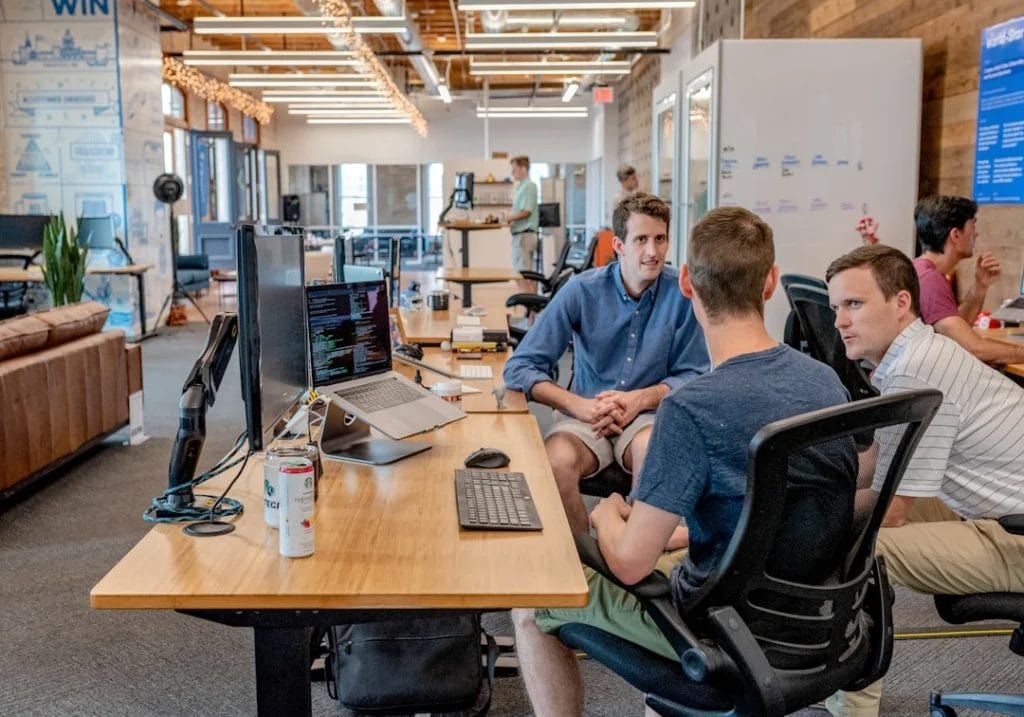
column 498, row 21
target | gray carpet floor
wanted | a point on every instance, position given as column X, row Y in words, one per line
column 59, row 657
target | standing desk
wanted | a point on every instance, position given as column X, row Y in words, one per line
column 388, row 545
column 467, row 276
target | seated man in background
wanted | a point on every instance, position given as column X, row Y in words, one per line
column 696, row 467
column 634, row 339
column 971, row 458
column 947, row 230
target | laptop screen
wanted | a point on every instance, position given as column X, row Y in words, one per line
column 349, row 332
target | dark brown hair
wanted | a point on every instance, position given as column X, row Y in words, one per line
column 935, row 217
column 640, row 203
column 521, row 161
column 730, row 254
column 892, row 270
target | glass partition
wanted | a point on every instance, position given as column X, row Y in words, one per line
column 665, row 151
column 396, row 195
column 698, row 147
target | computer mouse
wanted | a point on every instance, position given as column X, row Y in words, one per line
column 487, row 458
column 413, row 351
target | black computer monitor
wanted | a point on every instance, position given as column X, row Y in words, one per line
column 394, row 270
column 22, row 231
column 97, row 232
column 464, row 190
column 549, row 215
column 271, row 330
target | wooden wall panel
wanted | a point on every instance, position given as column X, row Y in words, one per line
column 950, row 31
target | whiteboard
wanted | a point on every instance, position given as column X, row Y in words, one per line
column 811, row 136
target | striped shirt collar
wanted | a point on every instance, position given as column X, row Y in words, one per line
column 896, row 349
column 620, row 286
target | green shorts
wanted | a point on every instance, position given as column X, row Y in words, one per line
column 614, row 610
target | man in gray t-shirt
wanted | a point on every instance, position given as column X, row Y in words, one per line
column 696, row 463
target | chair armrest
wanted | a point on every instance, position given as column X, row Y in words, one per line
column 531, row 302
column 1013, row 524
column 534, row 276
column 699, row 660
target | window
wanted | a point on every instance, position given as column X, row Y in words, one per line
column 172, row 101
column 396, row 195
column 355, row 196
column 250, row 130
column 435, row 196
column 539, row 171
column 216, row 116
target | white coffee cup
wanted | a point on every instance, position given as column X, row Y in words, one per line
column 450, row 391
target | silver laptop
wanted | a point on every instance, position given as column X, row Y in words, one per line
column 349, row 335
column 1012, row 310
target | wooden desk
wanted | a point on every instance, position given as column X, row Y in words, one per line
column 387, row 538
column 1004, row 336
column 34, row 274
column 483, row 402
column 429, row 328
column 467, row 276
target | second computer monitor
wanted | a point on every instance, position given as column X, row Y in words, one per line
column 97, row 232
column 549, row 215
column 22, row 231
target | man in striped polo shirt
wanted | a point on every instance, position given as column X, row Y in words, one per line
column 971, row 458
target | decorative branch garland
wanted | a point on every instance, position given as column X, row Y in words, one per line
column 342, row 14
column 210, row 88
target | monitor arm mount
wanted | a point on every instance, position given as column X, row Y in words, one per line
column 448, row 208
column 198, row 394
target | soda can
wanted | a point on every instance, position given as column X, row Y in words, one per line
column 271, row 497
column 295, row 479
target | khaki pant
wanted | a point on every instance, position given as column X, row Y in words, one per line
column 940, row 554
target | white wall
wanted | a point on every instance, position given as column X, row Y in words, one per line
column 453, row 132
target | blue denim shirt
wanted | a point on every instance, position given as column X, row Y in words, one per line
column 618, row 342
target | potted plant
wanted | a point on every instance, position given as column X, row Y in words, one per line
column 63, row 262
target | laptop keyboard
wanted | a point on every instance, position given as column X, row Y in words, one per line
column 493, row 500
column 1017, row 303
column 380, row 395
column 475, row 371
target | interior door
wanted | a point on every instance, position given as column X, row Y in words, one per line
column 213, row 197
column 271, row 195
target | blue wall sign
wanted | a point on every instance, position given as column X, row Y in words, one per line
column 999, row 148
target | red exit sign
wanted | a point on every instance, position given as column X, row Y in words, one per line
column 603, row 94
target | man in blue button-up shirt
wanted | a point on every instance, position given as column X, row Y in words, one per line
column 634, row 339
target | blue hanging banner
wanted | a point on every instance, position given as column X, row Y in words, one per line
column 999, row 149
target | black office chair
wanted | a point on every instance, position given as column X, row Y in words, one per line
column 544, row 283
column 13, row 294
column 752, row 644
column 788, row 280
column 791, row 334
column 817, row 326
column 958, row 609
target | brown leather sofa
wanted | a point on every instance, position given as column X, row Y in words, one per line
column 64, row 387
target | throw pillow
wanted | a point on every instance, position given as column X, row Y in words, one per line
column 73, row 321
column 22, row 335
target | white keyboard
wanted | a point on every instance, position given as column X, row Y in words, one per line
column 475, row 370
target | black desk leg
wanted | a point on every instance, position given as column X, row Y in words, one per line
column 282, row 671
column 142, row 306
column 465, row 248
column 467, row 294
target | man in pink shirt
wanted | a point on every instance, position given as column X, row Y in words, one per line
column 946, row 228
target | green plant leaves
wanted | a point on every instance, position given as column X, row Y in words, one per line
column 63, row 262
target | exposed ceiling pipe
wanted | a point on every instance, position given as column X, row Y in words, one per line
column 504, row 21
column 411, row 40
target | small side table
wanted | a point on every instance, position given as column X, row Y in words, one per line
column 222, row 278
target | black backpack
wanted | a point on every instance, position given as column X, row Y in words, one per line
column 429, row 664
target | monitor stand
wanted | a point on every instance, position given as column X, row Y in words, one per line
column 346, row 438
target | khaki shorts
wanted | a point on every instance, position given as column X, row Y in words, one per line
column 614, row 610
column 524, row 251
column 605, row 450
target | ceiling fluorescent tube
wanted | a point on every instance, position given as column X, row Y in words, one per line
column 611, row 67
column 570, row 91
column 474, row 5
column 556, row 40
column 295, row 25
column 379, row 120
column 446, row 95
column 320, row 58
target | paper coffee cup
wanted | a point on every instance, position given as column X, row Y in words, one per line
column 449, row 390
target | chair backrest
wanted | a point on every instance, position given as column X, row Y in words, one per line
column 788, row 280
column 13, row 293
column 814, row 636
column 560, row 261
column 817, row 330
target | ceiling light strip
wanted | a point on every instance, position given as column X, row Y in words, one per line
column 343, row 112
column 341, row 15
column 473, row 5
column 570, row 91
column 310, row 101
column 296, row 25
column 270, row 58
column 532, row 115
column 611, row 67
column 379, row 120
column 557, row 40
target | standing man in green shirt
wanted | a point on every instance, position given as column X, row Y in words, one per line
column 523, row 221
